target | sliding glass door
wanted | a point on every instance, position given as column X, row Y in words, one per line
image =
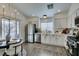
column 10, row 27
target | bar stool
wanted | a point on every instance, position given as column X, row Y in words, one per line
column 16, row 46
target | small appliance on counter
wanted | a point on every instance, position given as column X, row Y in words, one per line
column 65, row 31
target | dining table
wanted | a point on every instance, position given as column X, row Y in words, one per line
column 15, row 43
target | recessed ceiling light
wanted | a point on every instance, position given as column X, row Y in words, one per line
column 59, row 10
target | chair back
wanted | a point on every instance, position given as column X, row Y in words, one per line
column 7, row 40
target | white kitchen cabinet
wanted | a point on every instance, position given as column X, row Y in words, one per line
column 77, row 12
column 73, row 16
column 47, row 39
column 53, row 39
column 60, row 41
column 69, row 21
column 43, row 39
column 60, row 23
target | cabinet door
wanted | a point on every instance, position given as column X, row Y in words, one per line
column 77, row 12
column 43, row 39
column 53, row 41
column 47, row 39
column 63, row 22
column 57, row 23
column 60, row 41
column 69, row 22
column 57, row 40
column 73, row 19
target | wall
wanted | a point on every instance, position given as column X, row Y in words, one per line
column 73, row 8
column 22, row 28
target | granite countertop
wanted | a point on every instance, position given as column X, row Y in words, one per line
column 54, row 34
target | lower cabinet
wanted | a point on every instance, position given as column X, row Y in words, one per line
column 52, row 40
column 43, row 39
column 58, row 40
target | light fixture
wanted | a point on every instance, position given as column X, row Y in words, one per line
column 58, row 10
column 44, row 16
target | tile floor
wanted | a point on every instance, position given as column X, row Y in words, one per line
column 34, row 49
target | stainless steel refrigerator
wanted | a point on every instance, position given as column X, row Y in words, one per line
column 30, row 32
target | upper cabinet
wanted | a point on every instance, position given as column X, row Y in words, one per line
column 69, row 22
column 77, row 12
column 71, row 19
column 60, row 20
column 73, row 16
column 60, row 23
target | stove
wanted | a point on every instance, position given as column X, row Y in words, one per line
column 73, row 46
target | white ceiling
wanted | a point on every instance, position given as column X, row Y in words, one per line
column 40, row 9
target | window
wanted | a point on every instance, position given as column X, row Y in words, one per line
column 47, row 26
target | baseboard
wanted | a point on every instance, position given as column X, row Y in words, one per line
column 53, row 45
